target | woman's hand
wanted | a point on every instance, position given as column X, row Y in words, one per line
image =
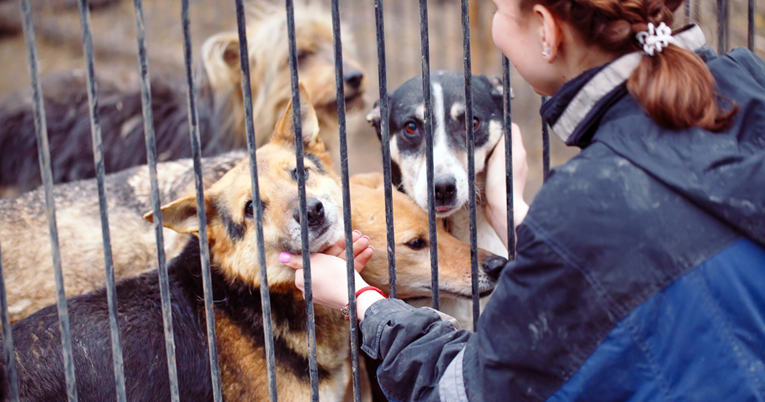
column 328, row 273
column 496, row 193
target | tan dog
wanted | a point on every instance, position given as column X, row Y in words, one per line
column 235, row 275
column 270, row 73
column 412, row 247
column 220, row 102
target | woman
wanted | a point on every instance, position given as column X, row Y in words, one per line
column 639, row 273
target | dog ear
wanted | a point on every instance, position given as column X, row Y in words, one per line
column 285, row 130
column 498, row 89
column 220, row 56
column 373, row 118
column 179, row 215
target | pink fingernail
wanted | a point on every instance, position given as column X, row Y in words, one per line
column 357, row 231
column 285, row 257
column 365, row 236
column 373, row 249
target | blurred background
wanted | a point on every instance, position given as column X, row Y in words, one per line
column 57, row 30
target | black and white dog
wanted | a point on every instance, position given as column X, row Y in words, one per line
column 450, row 158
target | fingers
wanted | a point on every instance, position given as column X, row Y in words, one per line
column 359, row 246
column 338, row 249
column 292, row 261
column 362, row 258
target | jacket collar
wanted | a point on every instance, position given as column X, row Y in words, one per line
column 569, row 112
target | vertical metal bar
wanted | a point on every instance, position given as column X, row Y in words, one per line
column 750, row 28
column 687, row 12
column 43, row 151
column 722, row 26
column 467, row 62
column 98, row 160
column 385, row 139
column 508, row 119
column 196, row 151
column 545, row 147
column 347, row 220
column 9, row 360
column 265, row 294
column 151, row 157
column 311, row 324
column 425, row 48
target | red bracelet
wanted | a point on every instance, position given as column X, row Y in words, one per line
column 365, row 288
column 346, row 311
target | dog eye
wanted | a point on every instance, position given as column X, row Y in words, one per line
column 302, row 55
column 249, row 209
column 476, row 123
column 295, row 174
column 411, row 127
column 416, row 244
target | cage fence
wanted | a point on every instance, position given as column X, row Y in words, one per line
column 472, row 21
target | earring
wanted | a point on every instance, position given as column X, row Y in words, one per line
column 545, row 54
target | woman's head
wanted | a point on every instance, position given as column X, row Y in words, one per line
column 552, row 41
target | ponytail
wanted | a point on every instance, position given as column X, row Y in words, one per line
column 674, row 87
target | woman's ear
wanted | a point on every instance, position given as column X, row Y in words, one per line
column 550, row 33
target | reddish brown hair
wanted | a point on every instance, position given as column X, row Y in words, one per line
column 674, row 87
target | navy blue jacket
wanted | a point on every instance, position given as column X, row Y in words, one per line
column 640, row 273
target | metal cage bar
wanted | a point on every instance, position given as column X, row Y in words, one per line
column 722, row 26
column 196, row 151
column 750, row 27
column 151, row 158
column 508, row 123
column 425, row 49
column 265, row 294
column 347, row 219
column 385, row 140
column 467, row 62
column 545, row 147
column 98, row 160
column 43, row 151
column 9, row 359
column 313, row 368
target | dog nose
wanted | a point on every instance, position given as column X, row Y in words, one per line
column 353, row 78
column 493, row 266
column 445, row 191
column 315, row 212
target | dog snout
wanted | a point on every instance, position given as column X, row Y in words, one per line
column 315, row 212
column 446, row 191
column 353, row 78
column 493, row 266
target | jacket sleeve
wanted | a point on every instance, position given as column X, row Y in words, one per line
column 415, row 345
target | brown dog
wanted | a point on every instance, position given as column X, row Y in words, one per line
column 220, row 102
column 235, row 278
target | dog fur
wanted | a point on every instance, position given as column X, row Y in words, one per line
column 220, row 102
column 23, row 226
column 408, row 160
column 233, row 258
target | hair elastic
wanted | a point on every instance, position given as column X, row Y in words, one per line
column 656, row 38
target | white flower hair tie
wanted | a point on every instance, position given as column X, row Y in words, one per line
column 656, row 38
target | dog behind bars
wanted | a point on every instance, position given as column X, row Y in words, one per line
column 235, row 276
column 220, row 102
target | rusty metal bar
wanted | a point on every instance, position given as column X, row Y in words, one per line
column 313, row 368
column 196, row 151
column 265, row 294
column 98, row 160
column 43, row 151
